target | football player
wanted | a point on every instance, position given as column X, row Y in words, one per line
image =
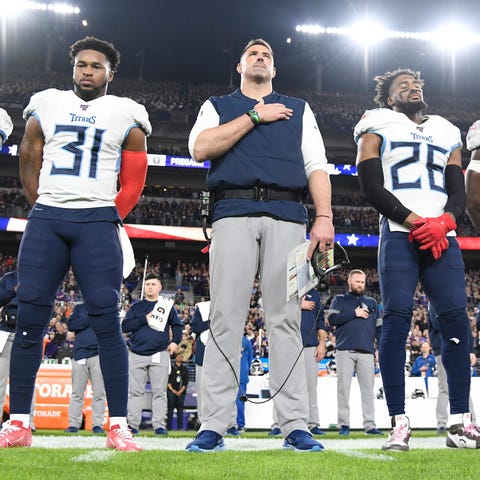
column 409, row 168
column 77, row 144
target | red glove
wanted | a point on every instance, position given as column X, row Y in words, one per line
column 432, row 229
column 438, row 248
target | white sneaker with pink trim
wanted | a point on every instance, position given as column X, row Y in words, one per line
column 399, row 435
column 464, row 435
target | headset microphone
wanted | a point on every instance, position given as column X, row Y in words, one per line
column 323, row 263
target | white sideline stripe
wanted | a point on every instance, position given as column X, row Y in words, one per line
column 236, row 444
column 94, row 456
column 369, row 456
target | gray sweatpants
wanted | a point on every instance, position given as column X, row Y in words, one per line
column 362, row 363
column 240, row 247
column 5, row 372
column 141, row 370
column 82, row 371
column 311, row 371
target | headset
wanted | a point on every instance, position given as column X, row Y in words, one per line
column 323, row 263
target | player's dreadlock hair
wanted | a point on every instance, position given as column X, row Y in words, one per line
column 385, row 81
column 256, row 41
column 93, row 43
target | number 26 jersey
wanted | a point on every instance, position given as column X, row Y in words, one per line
column 413, row 158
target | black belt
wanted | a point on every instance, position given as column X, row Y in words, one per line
column 353, row 350
column 258, row 193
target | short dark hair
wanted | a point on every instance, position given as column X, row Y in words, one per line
column 93, row 43
column 152, row 276
column 385, row 81
column 256, row 41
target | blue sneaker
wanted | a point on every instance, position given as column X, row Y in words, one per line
column 135, row 431
column 317, row 431
column 302, row 441
column 71, row 430
column 374, row 431
column 344, row 430
column 161, row 431
column 233, row 431
column 97, row 429
column 206, row 441
column 274, row 432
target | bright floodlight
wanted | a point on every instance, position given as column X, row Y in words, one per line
column 453, row 37
column 450, row 37
column 10, row 8
column 367, row 32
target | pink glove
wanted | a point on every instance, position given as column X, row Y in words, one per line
column 432, row 229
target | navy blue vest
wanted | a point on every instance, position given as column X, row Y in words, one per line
column 269, row 155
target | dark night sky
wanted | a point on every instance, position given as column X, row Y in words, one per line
column 191, row 40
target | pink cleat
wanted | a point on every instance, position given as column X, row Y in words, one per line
column 14, row 434
column 122, row 439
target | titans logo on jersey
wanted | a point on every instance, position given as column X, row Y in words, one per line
column 83, row 143
column 413, row 157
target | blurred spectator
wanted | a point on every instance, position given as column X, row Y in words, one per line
column 177, row 391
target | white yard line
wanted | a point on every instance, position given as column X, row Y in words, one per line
column 237, row 444
column 94, row 456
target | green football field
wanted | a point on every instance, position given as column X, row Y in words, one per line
column 253, row 456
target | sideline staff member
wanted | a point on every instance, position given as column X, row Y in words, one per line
column 266, row 151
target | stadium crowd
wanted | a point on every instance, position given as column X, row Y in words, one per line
column 180, row 101
column 181, row 207
column 188, row 283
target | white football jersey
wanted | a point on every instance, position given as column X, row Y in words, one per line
column 413, row 158
column 473, row 142
column 83, row 145
column 473, row 136
column 6, row 125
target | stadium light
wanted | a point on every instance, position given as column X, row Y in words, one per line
column 454, row 36
column 367, row 32
column 450, row 37
column 13, row 8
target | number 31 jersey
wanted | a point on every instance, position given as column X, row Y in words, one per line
column 413, row 158
column 83, row 145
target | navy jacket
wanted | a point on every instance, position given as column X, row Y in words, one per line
column 145, row 340
column 198, row 326
column 8, row 296
column 312, row 320
column 86, row 343
column 352, row 332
